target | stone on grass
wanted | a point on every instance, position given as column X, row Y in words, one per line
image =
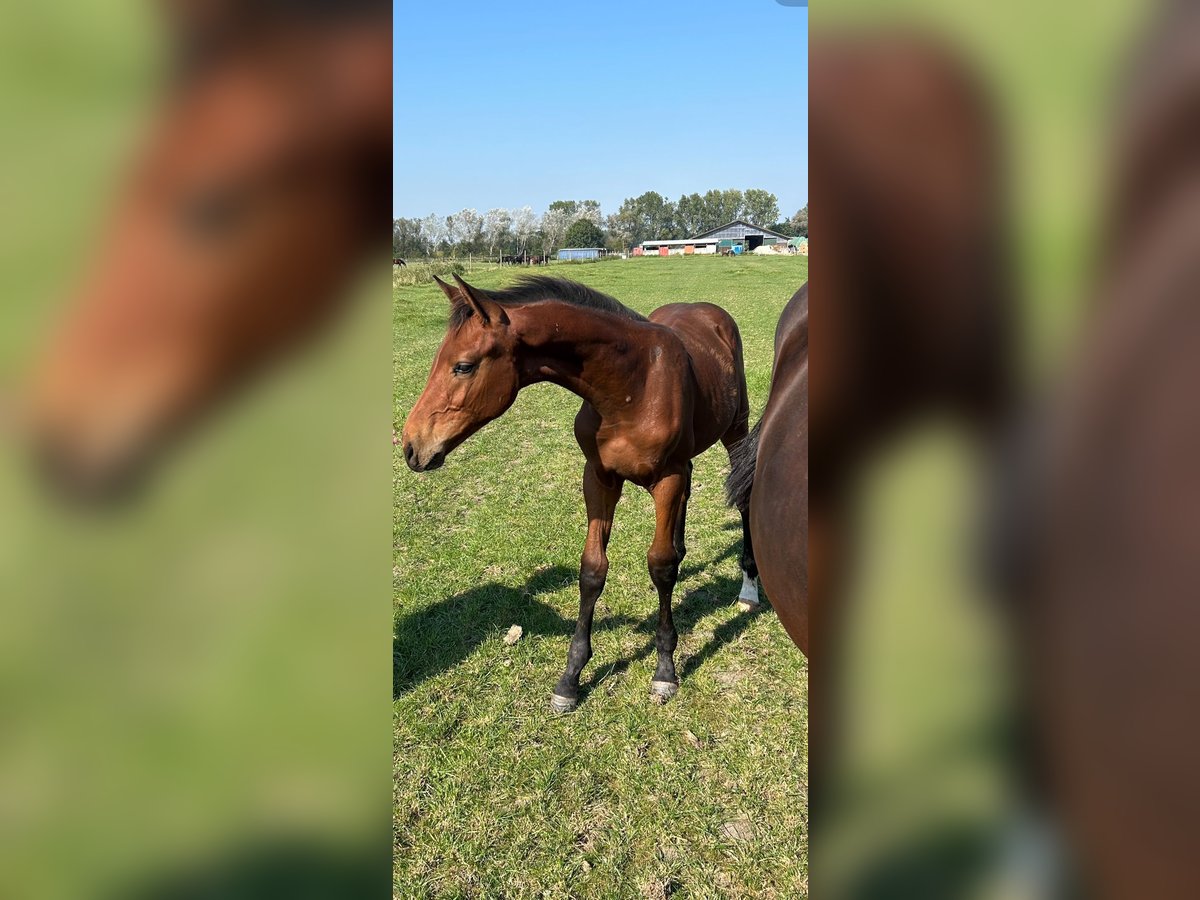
column 740, row 829
column 514, row 635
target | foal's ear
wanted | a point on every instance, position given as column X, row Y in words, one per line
column 456, row 296
column 451, row 292
column 488, row 310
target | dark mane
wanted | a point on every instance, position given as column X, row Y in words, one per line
column 539, row 288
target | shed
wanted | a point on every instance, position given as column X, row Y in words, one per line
column 580, row 252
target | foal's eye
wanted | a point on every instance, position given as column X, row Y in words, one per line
column 213, row 213
column 465, row 368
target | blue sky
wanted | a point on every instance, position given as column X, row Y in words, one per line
column 508, row 104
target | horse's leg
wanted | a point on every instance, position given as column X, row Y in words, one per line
column 680, row 526
column 663, row 562
column 601, row 500
column 748, row 596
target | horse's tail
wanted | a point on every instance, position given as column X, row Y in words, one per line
column 742, row 458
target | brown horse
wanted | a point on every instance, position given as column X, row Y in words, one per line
column 912, row 297
column 656, row 392
column 247, row 211
column 1105, row 580
column 769, row 475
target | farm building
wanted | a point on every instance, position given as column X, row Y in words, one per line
column 739, row 232
column 667, row 248
column 734, row 234
column 580, row 253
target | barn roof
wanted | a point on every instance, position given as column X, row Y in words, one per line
column 744, row 224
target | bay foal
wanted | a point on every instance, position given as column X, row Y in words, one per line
column 656, row 392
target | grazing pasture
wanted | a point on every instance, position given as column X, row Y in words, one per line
column 496, row 796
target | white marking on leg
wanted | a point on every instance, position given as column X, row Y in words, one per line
column 749, row 594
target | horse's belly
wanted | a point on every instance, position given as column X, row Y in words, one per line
column 779, row 506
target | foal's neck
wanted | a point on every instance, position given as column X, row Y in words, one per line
column 600, row 356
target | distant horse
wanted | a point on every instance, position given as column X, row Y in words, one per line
column 247, row 212
column 397, row 261
column 656, row 392
column 769, row 475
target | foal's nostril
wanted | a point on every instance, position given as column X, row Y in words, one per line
column 52, row 464
column 73, row 479
column 61, row 473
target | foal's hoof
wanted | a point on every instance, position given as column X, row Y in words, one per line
column 561, row 704
column 662, row 691
column 746, row 606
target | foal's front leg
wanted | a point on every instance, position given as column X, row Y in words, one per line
column 663, row 561
column 601, row 498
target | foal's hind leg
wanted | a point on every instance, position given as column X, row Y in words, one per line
column 663, row 562
column 601, row 500
column 681, row 524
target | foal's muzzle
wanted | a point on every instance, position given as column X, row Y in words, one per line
column 413, row 458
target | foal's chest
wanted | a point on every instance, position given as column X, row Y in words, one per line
column 637, row 452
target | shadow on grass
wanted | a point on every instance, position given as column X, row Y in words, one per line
column 284, row 868
column 941, row 863
column 436, row 638
column 716, row 594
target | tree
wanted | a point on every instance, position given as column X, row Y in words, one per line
column 759, row 207
column 464, row 230
column 496, row 224
column 555, row 223
column 646, row 217
column 689, row 216
column 721, row 207
column 798, row 224
column 524, row 224
column 583, row 233
column 407, row 238
column 589, row 210
column 433, row 229
column 621, row 229
column 574, row 210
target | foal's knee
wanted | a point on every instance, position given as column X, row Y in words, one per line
column 593, row 570
column 664, row 567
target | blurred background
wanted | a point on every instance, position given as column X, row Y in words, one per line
column 194, row 681
column 928, row 787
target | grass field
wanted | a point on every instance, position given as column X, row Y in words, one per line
column 495, row 796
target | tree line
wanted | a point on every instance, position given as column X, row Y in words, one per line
column 581, row 223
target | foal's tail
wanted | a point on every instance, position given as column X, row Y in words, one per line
column 742, row 458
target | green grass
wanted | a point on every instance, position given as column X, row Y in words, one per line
column 494, row 795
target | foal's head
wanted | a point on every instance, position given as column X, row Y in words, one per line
column 236, row 230
column 475, row 378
